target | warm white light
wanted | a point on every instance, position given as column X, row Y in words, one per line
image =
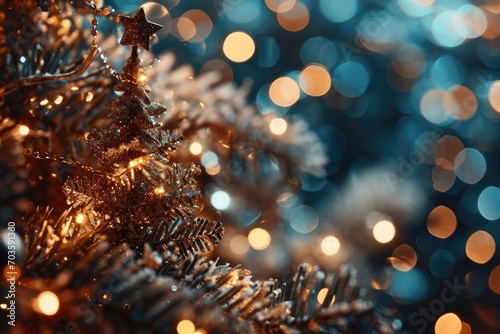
column 278, row 126
column 259, row 238
column 185, row 327
column 80, row 218
column 330, row 245
column 24, row 130
column 159, row 190
column 195, row 148
column 384, row 231
column 48, row 303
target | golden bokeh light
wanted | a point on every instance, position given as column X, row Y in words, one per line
column 448, row 323
column 315, row 80
column 462, row 105
column 446, row 151
column 238, row 47
column 384, row 231
column 58, row 99
column 200, row 25
column 494, row 280
column 494, row 96
column 330, row 245
column 259, row 238
column 239, row 244
column 195, row 148
column 322, row 295
column 280, row 6
column 80, row 218
column 47, row 303
column 186, row 28
column 443, row 179
column 212, row 168
column 466, row 329
column 278, row 126
column 185, row 327
column 404, row 258
column 284, row 92
column 23, row 130
column 294, row 19
column 441, row 222
column 480, row 247
column 159, row 190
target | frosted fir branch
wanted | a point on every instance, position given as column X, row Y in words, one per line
column 156, row 291
column 196, row 103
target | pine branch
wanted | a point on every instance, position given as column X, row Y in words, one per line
column 199, row 235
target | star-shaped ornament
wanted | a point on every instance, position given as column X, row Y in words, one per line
column 138, row 29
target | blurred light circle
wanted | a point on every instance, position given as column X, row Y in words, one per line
column 384, row 231
column 338, row 10
column 446, row 151
column 304, row 219
column 448, row 323
column 443, row 179
column 208, row 158
column 442, row 263
column 480, row 247
column 447, row 71
column 280, row 5
column 239, row 244
column 259, row 238
column 409, row 61
column 351, row 79
column 330, row 245
column 410, row 286
column 432, row 106
column 463, row 103
column 494, row 95
column 238, row 47
column 470, row 165
column 489, row 203
column 494, row 280
column 319, row 50
column 404, row 258
column 278, row 126
column 268, row 51
column 201, row 22
column 441, row 222
column 416, row 8
column 220, row 67
column 195, row 148
column 315, row 80
column 242, row 11
column 294, row 19
column 474, row 19
column 448, row 29
column 313, row 182
column 284, row 91
column 220, row 200
column 186, row 28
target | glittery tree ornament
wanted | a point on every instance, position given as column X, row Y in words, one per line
column 138, row 197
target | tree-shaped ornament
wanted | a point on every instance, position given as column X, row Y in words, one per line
column 138, row 197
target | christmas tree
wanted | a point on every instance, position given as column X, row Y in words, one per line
column 127, row 252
